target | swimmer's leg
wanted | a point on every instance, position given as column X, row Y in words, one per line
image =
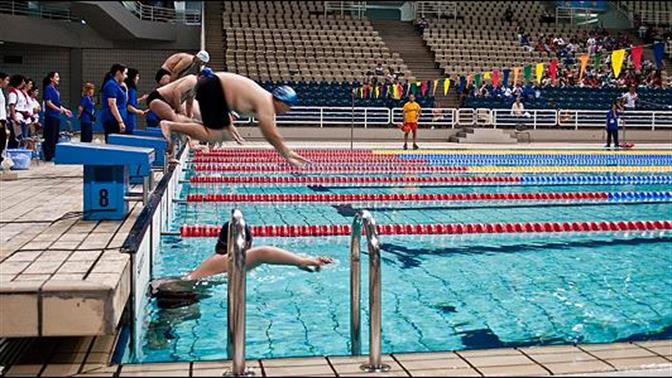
column 194, row 130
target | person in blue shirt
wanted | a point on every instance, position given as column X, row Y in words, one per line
column 52, row 114
column 114, row 101
column 132, row 107
column 87, row 113
column 612, row 125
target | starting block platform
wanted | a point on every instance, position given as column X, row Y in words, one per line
column 106, row 175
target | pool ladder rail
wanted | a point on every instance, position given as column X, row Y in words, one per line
column 236, row 296
column 365, row 219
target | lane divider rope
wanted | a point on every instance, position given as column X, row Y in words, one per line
column 390, row 197
column 437, row 229
column 457, row 180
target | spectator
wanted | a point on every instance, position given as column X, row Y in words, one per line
column 36, row 109
column 630, row 98
column 518, row 111
column 642, row 31
column 4, row 82
column 86, row 112
column 421, row 25
column 379, row 70
column 17, row 103
column 411, row 113
column 53, row 111
column 114, row 101
column 132, row 108
column 508, row 14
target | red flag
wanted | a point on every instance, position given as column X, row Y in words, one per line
column 495, row 78
column 637, row 56
column 423, row 88
column 553, row 69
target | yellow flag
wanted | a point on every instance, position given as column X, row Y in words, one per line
column 540, row 71
column 377, row 91
column 486, row 75
column 516, row 75
column 436, row 82
column 617, row 57
column 395, row 92
column 446, row 86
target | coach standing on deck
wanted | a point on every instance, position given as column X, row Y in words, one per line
column 52, row 115
column 612, row 124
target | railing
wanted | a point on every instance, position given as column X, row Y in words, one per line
column 451, row 118
column 366, row 219
column 236, row 249
column 576, row 16
column 435, row 9
column 35, row 9
column 655, row 18
column 161, row 14
column 353, row 8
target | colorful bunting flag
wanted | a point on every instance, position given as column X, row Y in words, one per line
column 446, row 86
column 617, row 57
column 637, row 56
column 598, row 60
column 477, row 79
column 463, row 84
column 495, row 78
column 424, row 87
column 584, row 62
column 487, row 75
column 539, row 72
column 505, row 79
column 516, row 75
column 527, row 73
column 659, row 53
column 436, row 82
column 553, row 69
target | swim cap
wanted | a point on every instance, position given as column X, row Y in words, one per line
column 203, row 56
column 206, row 72
column 285, row 94
column 222, row 240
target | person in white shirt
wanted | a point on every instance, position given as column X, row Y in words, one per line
column 4, row 82
column 517, row 108
column 631, row 97
column 17, row 104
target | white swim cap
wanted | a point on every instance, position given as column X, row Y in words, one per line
column 203, row 56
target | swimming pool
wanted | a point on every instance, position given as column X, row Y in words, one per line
column 439, row 292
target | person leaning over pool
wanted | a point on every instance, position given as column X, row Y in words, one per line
column 182, row 291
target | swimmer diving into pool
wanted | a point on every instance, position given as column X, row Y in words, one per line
column 220, row 93
column 182, row 291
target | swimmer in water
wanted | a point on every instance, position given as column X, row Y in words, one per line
column 174, row 292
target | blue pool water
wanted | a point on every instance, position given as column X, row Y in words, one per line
column 439, row 292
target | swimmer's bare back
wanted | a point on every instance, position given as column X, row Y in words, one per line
column 177, row 59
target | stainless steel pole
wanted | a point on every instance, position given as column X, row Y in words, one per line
column 236, row 296
column 375, row 364
column 355, row 287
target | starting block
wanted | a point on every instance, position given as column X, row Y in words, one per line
column 149, row 132
column 106, row 170
column 158, row 144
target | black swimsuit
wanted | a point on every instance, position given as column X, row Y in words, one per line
column 155, row 95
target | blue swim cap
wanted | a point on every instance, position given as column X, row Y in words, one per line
column 206, row 72
column 285, row 94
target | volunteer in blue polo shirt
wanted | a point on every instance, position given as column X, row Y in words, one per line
column 114, row 101
column 612, row 124
column 52, row 115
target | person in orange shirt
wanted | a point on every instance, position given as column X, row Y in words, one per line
column 411, row 116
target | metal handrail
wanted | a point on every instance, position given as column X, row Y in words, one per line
column 153, row 13
column 41, row 10
column 236, row 249
column 375, row 363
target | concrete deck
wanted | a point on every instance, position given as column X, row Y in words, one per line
column 59, row 275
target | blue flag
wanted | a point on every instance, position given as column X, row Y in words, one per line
column 659, row 53
column 505, row 78
column 463, row 83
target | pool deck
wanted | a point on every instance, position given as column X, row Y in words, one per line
column 55, row 266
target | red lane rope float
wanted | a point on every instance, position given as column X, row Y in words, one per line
column 388, row 197
column 343, row 168
column 262, row 153
column 437, row 229
column 352, row 179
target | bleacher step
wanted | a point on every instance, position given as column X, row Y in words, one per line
column 479, row 135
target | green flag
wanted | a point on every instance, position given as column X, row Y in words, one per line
column 598, row 60
column 414, row 88
column 477, row 79
column 527, row 73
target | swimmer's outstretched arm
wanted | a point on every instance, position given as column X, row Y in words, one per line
column 256, row 256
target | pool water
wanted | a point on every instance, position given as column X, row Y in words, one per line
column 439, row 292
